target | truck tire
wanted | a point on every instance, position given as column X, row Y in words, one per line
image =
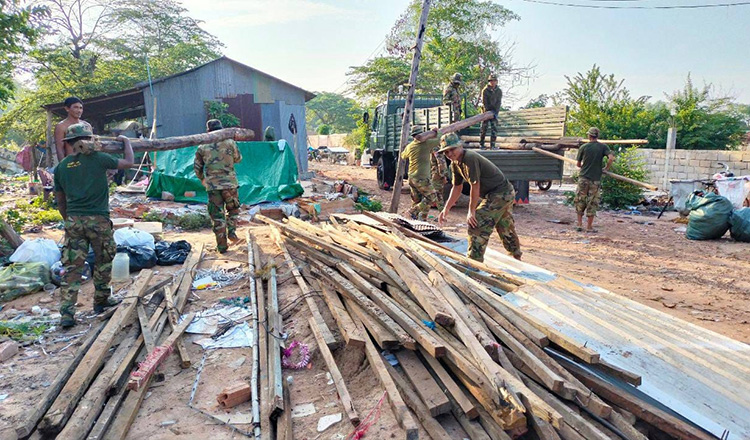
column 544, row 185
column 380, row 173
column 386, row 171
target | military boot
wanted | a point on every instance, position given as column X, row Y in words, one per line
column 101, row 305
column 481, row 139
column 492, row 142
column 67, row 320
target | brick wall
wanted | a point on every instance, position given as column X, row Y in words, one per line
column 685, row 164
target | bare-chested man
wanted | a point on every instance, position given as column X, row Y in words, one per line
column 74, row 107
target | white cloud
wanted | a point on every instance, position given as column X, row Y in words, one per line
column 247, row 13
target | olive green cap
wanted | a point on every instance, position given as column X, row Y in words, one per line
column 213, row 124
column 492, row 77
column 593, row 132
column 457, row 77
column 78, row 130
column 417, row 129
column 449, row 141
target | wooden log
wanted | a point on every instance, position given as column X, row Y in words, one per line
column 111, row 145
column 314, row 311
column 608, row 173
column 10, row 235
column 456, row 126
column 451, row 389
column 421, row 380
column 422, row 411
column 346, row 325
column 384, row 337
column 338, row 379
column 413, row 277
column 276, row 329
column 35, row 412
column 60, row 412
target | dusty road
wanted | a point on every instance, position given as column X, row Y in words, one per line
column 640, row 257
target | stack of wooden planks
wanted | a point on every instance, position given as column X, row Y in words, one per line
column 95, row 395
column 462, row 349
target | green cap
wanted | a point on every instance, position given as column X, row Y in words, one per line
column 448, row 141
column 457, row 77
column 593, row 132
column 78, row 130
column 417, row 129
column 213, row 124
column 492, row 77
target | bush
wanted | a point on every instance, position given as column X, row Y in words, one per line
column 617, row 194
column 219, row 110
column 194, row 221
column 324, row 129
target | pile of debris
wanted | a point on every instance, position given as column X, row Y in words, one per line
column 459, row 347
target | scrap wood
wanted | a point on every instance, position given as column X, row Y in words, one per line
column 157, row 356
column 275, row 328
column 58, row 415
column 173, row 323
column 348, row 329
column 10, row 235
column 255, row 369
column 430, row 393
column 263, row 340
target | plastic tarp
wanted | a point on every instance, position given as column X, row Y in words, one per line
column 709, row 216
column 267, row 173
column 739, row 224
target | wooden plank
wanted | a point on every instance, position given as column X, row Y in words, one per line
column 346, row 325
column 284, row 429
column 473, row 428
column 413, row 277
column 384, row 337
column 35, row 412
column 145, row 330
column 421, row 380
column 338, row 379
column 488, row 422
column 263, row 343
column 422, row 411
column 452, row 389
column 314, row 311
column 107, row 415
column 620, row 373
column 173, row 321
column 276, row 329
column 255, row 363
column 368, row 305
column 60, row 412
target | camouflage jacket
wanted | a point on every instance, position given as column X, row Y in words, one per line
column 214, row 164
column 438, row 167
column 451, row 95
column 492, row 98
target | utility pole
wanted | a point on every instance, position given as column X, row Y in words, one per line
column 409, row 106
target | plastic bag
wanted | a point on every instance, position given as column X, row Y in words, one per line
column 739, row 224
column 132, row 237
column 168, row 254
column 141, row 257
column 709, row 216
column 38, row 250
column 21, row 279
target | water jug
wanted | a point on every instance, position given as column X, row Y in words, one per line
column 121, row 267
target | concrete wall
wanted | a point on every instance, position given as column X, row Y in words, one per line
column 330, row 140
column 8, row 163
column 684, row 164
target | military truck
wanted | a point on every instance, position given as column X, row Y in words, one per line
column 516, row 160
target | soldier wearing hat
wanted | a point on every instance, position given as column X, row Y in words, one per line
column 418, row 153
column 490, row 200
column 492, row 98
column 214, row 166
column 588, row 193
column 452, row 96
column 82, row 193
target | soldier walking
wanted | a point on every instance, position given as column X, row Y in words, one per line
column 214, row 166
column 491, row 198
column 82, row 194
column 492, row 98
column 588, row 192
column 452, row 96
column 418, row 153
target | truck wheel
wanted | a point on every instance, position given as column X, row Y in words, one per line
column 544, row 185
column 381, row 174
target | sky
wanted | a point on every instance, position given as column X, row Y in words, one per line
column 312, row 43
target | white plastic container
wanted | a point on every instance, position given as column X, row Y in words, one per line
column 121, row 267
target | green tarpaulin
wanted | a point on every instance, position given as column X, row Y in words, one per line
column 266, row 174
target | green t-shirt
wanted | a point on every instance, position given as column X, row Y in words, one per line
column 83, row 179
column 418, row 154
column 590, row 155
column 475, row 168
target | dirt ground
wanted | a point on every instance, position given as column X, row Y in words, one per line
column 637, row 256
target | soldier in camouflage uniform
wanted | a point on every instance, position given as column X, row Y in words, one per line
column 492, row 98
column 452, row 96
column 588, row 193
column 418, row 153
column 439, row 174
column 82, row 194
column 214, row 166
column 491, row 198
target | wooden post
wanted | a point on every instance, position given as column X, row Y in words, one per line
column 255, row 350
column 408, row 106
column 671, row 143
column 51, row 147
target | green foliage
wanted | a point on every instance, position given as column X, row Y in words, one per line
column 617, row 194
column 20, row 28
column 364, row 203
column 153, row 216
column 459, row 38
column 218, row 110
column 570, row 197
column 15, row 219
column 339, row 112
column 36, row 212
column 324, row 129
column 359, row 139
column 193, row 221
column 538, row 102
column 22, row 331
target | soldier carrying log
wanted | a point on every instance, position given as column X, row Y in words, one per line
column 423, row 194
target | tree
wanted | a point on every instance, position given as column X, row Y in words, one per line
column 19, row 30
column 324, row 129
column 336, row 111
column 538, row 102
column 458, row 39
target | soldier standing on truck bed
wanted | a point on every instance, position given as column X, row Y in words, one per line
column 214, row 166
column 490, row 200
column 452, row 96
column 492, row 98
column 418, row 153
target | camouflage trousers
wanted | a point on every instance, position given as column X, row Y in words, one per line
column 492, row 123
column 437, row 185
column 220, row 200
column 80, row 233
column 456, row 106
column 423, row 196
column 495, row 211
column 588, row 195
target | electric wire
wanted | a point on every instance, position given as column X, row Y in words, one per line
column 655, row 7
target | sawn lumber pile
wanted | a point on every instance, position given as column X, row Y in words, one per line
column 461, row 348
